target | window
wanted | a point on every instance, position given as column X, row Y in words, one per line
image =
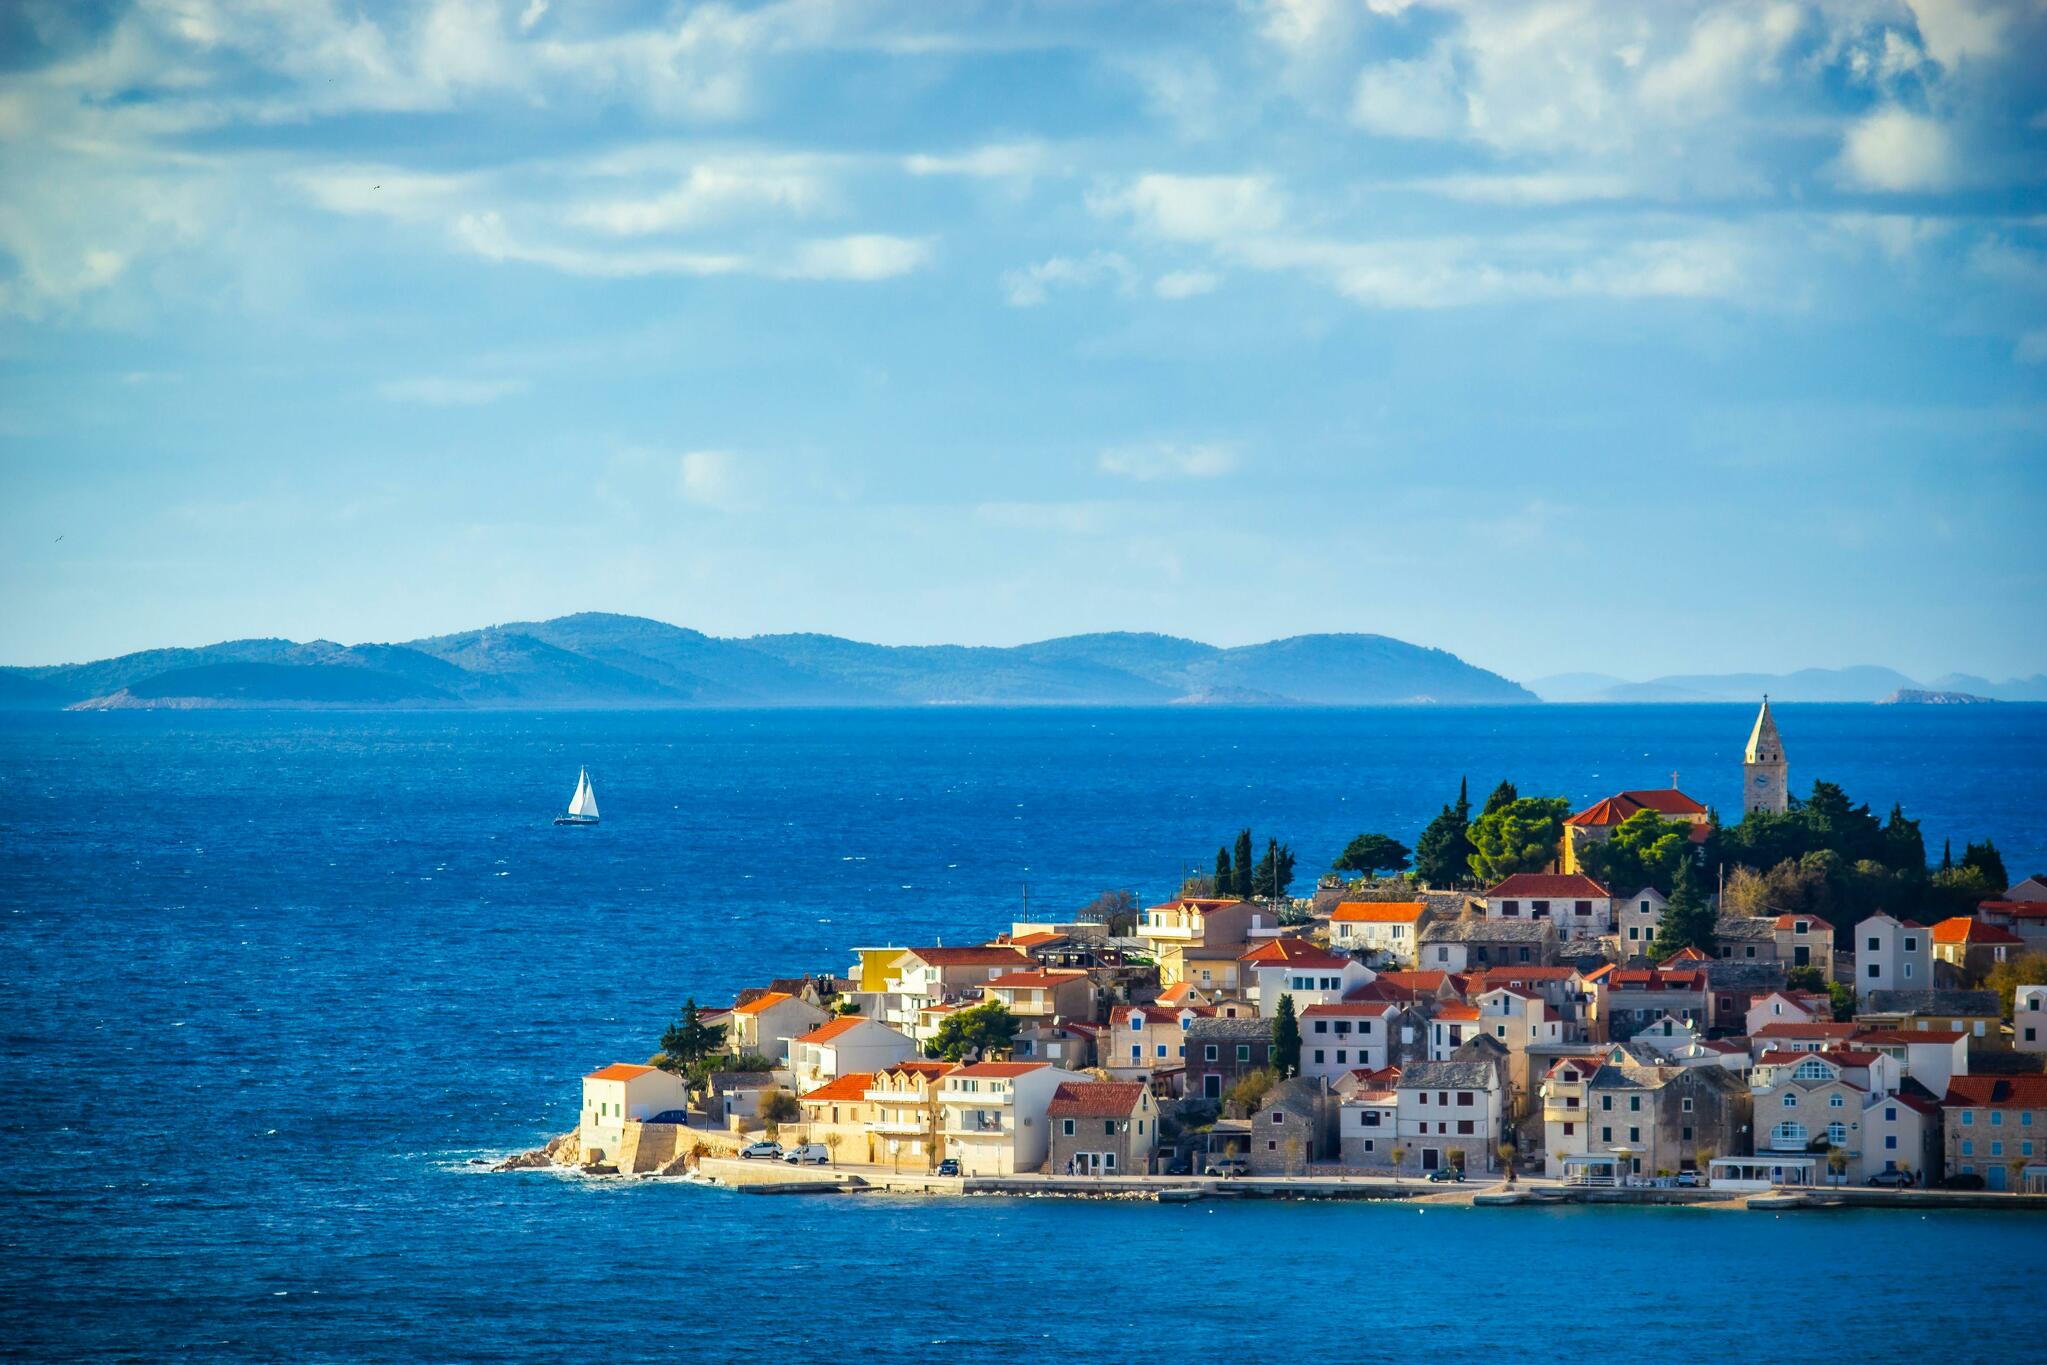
column 1968, row 1147
column 1837, row 1133
column 1066, row 1127
column 1911, row 946
column 1686, row 1106
column 1464, row 1127
column 1606, row 1102
column 1606, row 1135
column 1687, row 1133
column 1510, row 907
column 1464, row 1098
column 1208, row 1052
column 1243, row 1052
column 1890, row 1113
column 1318, row 1056
column 1321, row 1026
column 1968, row 1118
column 1791, row 1101
column 1812, row 1071
column 1569, row 1129
column 1634, row 1104
column 1342, row 1056
column 1836, row 1101
column 1788, row 1134
column 1874, row 946
column 1278, row 1117
column 1108, row 1127
column 1583, row 907
column 1890, row 1142
column 1272, row 1144
column 1873, row 973
column 1634, row 1134
column 1997, row 1149
column 1161, row 1049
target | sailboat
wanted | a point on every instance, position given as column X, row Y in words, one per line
column 583, row 806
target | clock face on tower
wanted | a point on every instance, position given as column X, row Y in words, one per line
column 1762, row 779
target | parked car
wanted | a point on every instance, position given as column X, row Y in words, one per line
column 1688, row 1180
column 808, row 1153
column 1967, row 1180
column 949, row 1166
column 761, row 1151
column 1180, row 1166
column 671, row 1116
column 1894, row 1178
column 1446, row 1175
column 1225, row 1165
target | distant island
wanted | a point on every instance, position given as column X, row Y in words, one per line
column 1916, row 696
column 1863, row 683
column 597, row 660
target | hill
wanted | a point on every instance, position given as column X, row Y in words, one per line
column 596, row 659
column 1864, row 683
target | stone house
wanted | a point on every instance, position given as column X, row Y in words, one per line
column 1995, row 1127
column 1626, row 1000
column 1901, row 1131
column 1598, row 822
column 1578, row 906
column 2029, row 1019
column 1637, row 919
column 1658, row 1120
column 1219, row 1051
column 1102, row 1128
column 1979, row 1014
column 1342, row 1036
column 1970, row 948
column 1732, row 986
column 1449, row 1113
column 1387, row 933
column 1470, row 943
column 1142, row 1039
column 1366, row 1120
column 1294, row 1128
column 1786, row 1007
column 1806, row 1099
column 1745, row 938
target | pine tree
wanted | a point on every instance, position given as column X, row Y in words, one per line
column 1442, row 856
column 1688, row 921
column 1286, row 1038
column 1503, row 795
column 1904, row 846
column 1240, row 873
column 1985, row 858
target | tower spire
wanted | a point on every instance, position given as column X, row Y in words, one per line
column 1765, row 775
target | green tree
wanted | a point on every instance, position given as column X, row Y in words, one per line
column 689, row 1039
column 982, row 1030
column 1985, row 858
column 1833, row 822
column 1520, row 836
column 1904, row 845
column 1225, row 880
column 1367, row 853
column 1958, row 891
column 1442, row 856
column 1503, row 796
column 1286, row 1038
column 1687, row 919
column 2027, row 969
column 1240, row 867
column 1644, row 850
column 1251, row 1089
column 778, row 1107
column 1274, row 873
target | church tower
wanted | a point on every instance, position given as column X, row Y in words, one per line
column 1765, row 783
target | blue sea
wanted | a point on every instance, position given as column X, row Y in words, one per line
column 272, row 981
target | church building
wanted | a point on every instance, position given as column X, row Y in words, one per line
column 1765, row 780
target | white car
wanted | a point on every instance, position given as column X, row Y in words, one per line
column 810, row 1153
column 761, row 1151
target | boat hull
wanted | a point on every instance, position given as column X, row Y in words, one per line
column 575, row 819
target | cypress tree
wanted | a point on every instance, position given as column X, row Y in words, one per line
column 1222, row 872
column 1240, row 875
column 1286, row 1038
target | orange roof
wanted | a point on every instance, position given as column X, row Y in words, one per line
column 1038, row 980
column 1790, row 921
column 1292, row 952
column 838, row 1027
column 1037, row 940
column 851, row 1086
column 1378, row 912
column 1095, row 1099
column 1998, row 1092
column 619, row 1071
column 1550, row 886
column 762, row 1002
column 1685, row 955
column 1001, row 1068
column 1965, row 930
column 1457, row 1013
column 1668, row 802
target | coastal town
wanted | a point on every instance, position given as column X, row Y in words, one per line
column 1637, row 1001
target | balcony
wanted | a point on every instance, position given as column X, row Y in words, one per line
column 900, row 1127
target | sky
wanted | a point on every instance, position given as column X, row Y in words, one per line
column 1683, row 337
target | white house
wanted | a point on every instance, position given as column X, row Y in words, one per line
column 1447, row 1108
column 768, row 1023
column 843, row 1046
column 1892, row 955
column 2028, row 1021
column 1787, row 1007
column 1343, row 1036
column 1638, row 918
column 1666, row 1037
column 1296, row 967
column 1580, row 907
column 992, row 1115
column 1389, row 931
column 1932, row 1057
column 623, row 1093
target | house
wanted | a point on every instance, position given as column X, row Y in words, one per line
column 1449, row 1113
column 1388, row 933
column 846, row 1044
column 1425, row 988
column 921, row 979
column 1626, row 1000
column 1044, row 993
column 1995, row 1127
column 992, row 1115
column 1451, row 1027
column 1932, row 1057
column 2031, row 891
column 2029, row 1019
column 1341, row 1036
column 1102, row 1128
column 838, row 1113
column 765, row 1025
column 1198, row 938
column 1220, row 1051
column 1142, row 1039
column 1658, row 1120
column 1791, row 1036
column 1562, row 1092
column 619, row 1094
column 1805, row 941
column 1067, row 1042
column 1295, row 967
column 1563, row 987
column 1666, row 1037
column 1891, row 955
column 1733, row 986
column 904, row 1128
column 1979, row 1014
column 1807, row 1098
column 1786, row 1007
column 1518, row 1020
column 1367, row 1117
column 1901, row 1131
column 1971, row 947
column 1294, row 1128
column 2026, row 918
column 733, row 1098
column 1597, row 822
column 1638, row 918
column 1745, row 938
column 1471, row 942
column 1579, row 907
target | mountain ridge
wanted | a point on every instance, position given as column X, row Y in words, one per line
column 1856, row 683
column 601, row 660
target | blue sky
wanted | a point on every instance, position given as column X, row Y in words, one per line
column 1564, row 335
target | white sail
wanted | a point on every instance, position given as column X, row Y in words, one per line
column 585, row 803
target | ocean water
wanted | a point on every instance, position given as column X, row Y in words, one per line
column 271, row 981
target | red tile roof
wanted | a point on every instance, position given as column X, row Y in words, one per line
column 2016, row 909
column 1292, row 952
column 1378, row 912
column 851, row 1086
column 1964, row 930
column 1549, row 886
column 1668, row 802
column 619, row 1071
column 1685, row 955
column 762, row 1003
column 836, row 1028
column 1998, row 1092
column 1788, row 922
column 1457, row 1013
column 1095, row 1099
column 985, row 956
column 1037, row 940
column 1001, row 1069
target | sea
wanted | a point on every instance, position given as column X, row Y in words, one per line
column 272, row 984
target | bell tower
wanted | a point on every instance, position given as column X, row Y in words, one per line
column 1765, row 780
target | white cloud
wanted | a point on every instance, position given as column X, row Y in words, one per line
column 708, row 478
column 1899, row 151
column 1033, row 284
column 533, row 13
column 1541, row 187
column 859, row 257
column 1196, row 207
column 443, row 392
column 997, row 161
column 863, row 256
column 708, row 193
column 1414, row 99
column 1153, row 461
column 1184, row 284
